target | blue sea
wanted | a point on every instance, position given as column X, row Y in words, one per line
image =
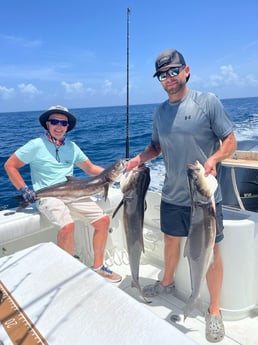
column 101, row 134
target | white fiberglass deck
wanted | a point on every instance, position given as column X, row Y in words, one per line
column 239, row 300
column 244, row 332
column 69, row 304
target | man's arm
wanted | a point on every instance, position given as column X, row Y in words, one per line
column 12, row 166
column 149, row 153
column 90, row 168
column 227, row 148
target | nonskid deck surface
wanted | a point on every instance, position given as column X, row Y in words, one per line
column 169, row 307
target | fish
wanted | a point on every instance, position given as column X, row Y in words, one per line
column 76, row 188
column 134, row 185
column 201, row 237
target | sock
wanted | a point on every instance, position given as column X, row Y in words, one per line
column 98, row 268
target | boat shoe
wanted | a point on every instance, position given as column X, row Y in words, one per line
column 109, row 275
column 157, row 288
column 215, row 331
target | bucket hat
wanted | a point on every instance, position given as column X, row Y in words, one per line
column 58, row 109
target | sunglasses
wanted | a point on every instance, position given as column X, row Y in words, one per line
column 56, row 122
column 172, row 72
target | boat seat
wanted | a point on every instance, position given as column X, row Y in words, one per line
column 16, row 225
column 20, row 229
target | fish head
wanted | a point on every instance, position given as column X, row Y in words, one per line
column 139, row 176
column 115, row 171
column 201, row 185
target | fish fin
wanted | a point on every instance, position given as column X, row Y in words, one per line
column 118, row 207
column 142, row 244
column 252, row 182
column 106, row 187
column 88, row 180
column 22, row 204
column 136, row 285
column 191, row 305
column 72, row 178
column 145, row 205
column 21, row 208
column 186, row 248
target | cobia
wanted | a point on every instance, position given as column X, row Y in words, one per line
column 201, row 238
column 134, row 187
column 77, row 188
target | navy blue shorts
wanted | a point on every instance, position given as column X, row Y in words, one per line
column 175, row 220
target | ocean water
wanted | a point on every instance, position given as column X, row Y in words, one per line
column 101, row 134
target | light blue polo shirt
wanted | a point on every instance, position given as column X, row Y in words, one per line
column 186, row 131
column 40, row 154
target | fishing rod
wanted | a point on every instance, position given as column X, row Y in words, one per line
column 127, row 86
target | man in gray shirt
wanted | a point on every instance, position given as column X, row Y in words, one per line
column 189, row 126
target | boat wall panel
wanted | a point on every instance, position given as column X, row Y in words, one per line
column 17, row 225
column 23, row 229
column 239, row 262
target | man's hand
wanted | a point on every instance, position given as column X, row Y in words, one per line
column 133, row 163
column 28, row 194
column 210, row 167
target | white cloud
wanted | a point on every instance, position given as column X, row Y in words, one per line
column 251, row 79
column 90, row 90
column 227, row 76
column 108, row 88
column 28, row 89
column 6, row 93
column 76, row 87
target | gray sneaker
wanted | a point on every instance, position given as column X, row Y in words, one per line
column 156, row 289
column 215, row 331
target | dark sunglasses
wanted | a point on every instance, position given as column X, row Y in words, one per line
column 172, row 72
column 56, row 122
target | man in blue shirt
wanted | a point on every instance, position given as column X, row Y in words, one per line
column 51, row 158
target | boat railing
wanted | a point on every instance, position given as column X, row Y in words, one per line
column 243, row 160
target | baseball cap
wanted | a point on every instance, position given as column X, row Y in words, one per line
column 168, row 58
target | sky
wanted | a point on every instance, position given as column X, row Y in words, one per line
column 74, row 53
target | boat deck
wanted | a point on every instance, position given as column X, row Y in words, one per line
column 49, row 297
column 239, row 248
column 168, row 307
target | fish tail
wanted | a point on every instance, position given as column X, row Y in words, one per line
column 136, row 285
column 192, row 303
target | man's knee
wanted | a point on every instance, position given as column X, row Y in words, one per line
column 102, row 222
column 67, row 229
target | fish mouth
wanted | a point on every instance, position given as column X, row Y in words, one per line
column 130, row 177
column 126, row 173
column 194, row 169
column 118, row 171
column 193, row 172
column 193, row 166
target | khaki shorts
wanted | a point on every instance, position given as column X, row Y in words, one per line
column 62, row 212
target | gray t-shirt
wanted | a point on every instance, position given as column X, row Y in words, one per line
column 186, row 131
